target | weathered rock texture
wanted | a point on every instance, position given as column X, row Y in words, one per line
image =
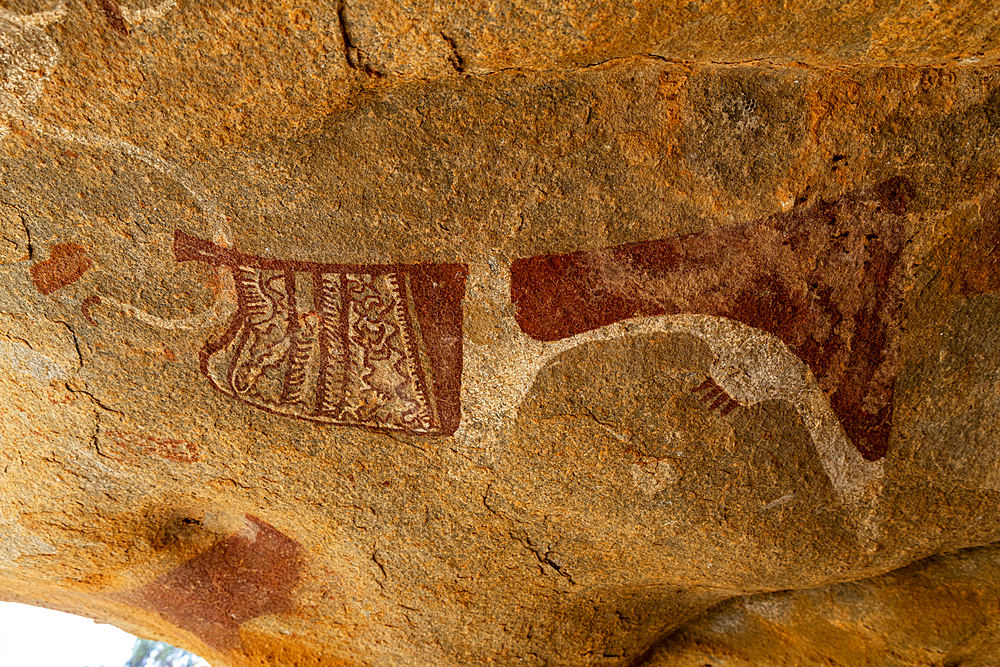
column 371, row 333
column 937, row 612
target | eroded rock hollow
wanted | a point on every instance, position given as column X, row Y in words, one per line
column 406, row 333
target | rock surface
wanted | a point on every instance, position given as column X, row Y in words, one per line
column 525, row 333
column 936, row 612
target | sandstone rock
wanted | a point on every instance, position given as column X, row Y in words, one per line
column 413, row 334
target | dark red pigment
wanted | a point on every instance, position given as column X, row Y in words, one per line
column 67, row 262
column 437, row 292
column 717, row 395
column 236, row 580
column 784, row 274
column 114, row 16
column 87, row 304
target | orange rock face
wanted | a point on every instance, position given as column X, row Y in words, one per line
column 503, row 333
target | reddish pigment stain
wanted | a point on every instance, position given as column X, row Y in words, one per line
column 171, row 449
column 87, row 304
column 717, row 395
column 114, row 16
column 250, row 574
column 66, row 263
column 824, row 279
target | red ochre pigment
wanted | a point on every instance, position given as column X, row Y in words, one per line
column 66, row 263
column 823, row 279
column 88, row 303
column 171, row 449
column 370, row 345
column 250, row 574
column 114, row 16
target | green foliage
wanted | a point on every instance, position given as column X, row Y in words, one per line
column 149, row 653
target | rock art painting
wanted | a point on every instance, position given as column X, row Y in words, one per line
column 376, row 346
column 67, row 262
column 114, row 16
column 717, row 395
column 824, row 280
column 30, row 58
column 249, row 574
column 135, row 446
column 87, row 304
